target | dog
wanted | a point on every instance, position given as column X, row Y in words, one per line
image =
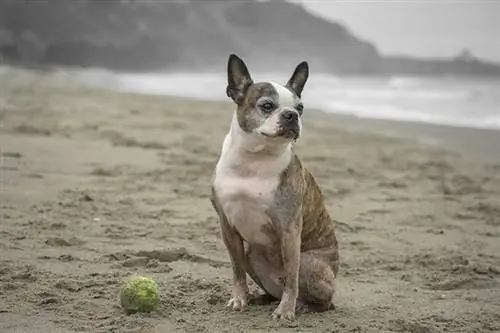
column 272, row 216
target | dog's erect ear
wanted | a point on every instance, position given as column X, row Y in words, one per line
column 238, row 79
column 299, row 78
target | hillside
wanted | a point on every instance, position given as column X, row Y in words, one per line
column 195, row 35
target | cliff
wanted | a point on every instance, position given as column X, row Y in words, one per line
column 195, row 35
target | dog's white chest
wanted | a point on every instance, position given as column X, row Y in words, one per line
column 245, row 201
column 246, row 190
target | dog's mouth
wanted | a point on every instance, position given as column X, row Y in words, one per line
column 294, row 133
column 275, row 135
column 286, row 133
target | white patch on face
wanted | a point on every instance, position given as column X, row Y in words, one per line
column 286, row 101
column 286, row 98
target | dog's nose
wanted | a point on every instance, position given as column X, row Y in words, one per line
column 290, row 116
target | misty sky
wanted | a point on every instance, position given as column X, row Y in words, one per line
column 422, row 28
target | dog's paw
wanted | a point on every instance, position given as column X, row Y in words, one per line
column 285, row 311
column 237, row 302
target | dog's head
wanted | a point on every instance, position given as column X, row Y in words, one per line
column 267, row 109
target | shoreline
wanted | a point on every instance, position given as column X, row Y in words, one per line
column 476, row 141
column 479, row 143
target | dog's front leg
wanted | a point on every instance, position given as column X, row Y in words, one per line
column 290, row 251
column 234, row 245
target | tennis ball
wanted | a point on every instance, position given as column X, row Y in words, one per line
column 139, row 294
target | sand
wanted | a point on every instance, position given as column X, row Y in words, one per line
column 99, row 185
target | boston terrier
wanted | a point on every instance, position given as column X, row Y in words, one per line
column 273, row 220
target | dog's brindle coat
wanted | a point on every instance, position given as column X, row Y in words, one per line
column 272, row 216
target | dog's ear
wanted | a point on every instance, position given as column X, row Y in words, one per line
column 299, row 77
column 238, row 79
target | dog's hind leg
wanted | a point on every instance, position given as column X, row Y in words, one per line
column 317, row 273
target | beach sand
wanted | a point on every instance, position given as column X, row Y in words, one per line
column 99, row 185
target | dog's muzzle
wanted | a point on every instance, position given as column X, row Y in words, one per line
column 290, row 127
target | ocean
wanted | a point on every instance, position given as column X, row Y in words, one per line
column 471, row 103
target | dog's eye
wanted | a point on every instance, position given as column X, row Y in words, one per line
column 267, row 107
column 300, row 108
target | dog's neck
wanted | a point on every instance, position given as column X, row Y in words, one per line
column 255, row 145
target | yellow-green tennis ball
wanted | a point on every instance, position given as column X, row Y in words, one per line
column 139, row 294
